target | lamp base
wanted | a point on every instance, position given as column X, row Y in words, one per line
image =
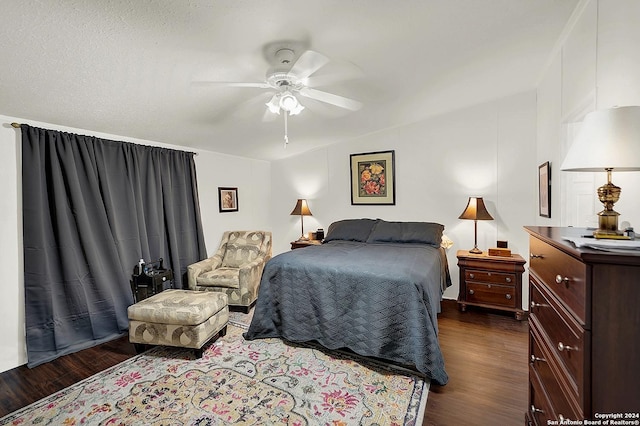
column 475, row 250
column 608, row 226
column 608, row 194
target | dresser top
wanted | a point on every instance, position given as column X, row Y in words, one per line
column 556, row 236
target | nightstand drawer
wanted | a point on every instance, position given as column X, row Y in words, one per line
column 491, row 294
column 564, row 275
column 490, row 277
column 566, row 337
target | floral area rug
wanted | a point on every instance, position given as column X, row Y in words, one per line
column 262, row 382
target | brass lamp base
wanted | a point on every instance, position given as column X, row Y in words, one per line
column 607, row 224
column 608, row 194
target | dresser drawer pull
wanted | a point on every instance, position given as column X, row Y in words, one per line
column 563, row 347
column 471, row 291
column 536, row 305
column 508, row 279
column 562, row 280
column 471, row 276
column 536, row 256
column 535, row 410
column 535, row 358
column 508, row 296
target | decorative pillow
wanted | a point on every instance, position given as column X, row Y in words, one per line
column 235, row 255
column 407, row 232
column 350, row 230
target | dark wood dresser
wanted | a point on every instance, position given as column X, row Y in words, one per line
column 584, row 330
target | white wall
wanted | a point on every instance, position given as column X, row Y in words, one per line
column 596, row 66
column 213, row 170
column 486, row 150
column 251, row 177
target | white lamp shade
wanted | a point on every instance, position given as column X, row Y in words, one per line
column 609, row 138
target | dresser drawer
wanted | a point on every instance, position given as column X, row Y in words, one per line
column 543, row 363
column 490, row 277
column 540, row 411
column 491, row 294
column 565, row 336
column 564, row 275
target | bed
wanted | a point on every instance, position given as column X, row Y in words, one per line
column 373, row 287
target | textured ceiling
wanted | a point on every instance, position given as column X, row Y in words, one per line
column 128, row 67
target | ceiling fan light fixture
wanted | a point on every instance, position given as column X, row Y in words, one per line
column 297, row 110
column 274, row 104
column 288, row 102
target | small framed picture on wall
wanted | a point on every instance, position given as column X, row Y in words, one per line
column 228, row 199
column 544, row 189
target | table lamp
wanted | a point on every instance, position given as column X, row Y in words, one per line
column 302, row 208
column 608, row 140
column 475, row 211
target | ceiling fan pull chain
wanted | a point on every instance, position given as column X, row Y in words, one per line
column 286, row 130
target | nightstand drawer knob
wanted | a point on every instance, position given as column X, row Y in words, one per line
column 563, row 347
column 508, row 296
column 164, row 278
column 471, row 291
column 508, row 279
column 472, row 276
column 562, row 280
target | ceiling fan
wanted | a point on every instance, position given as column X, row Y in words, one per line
column 290, row 76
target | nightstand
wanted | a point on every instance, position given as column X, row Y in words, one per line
column 304, row 243
column 153, row 282
column 491, row 282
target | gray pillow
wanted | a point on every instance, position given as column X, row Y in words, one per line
column 407, row 232
column 350, row 230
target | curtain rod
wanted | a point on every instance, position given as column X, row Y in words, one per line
column 17, row 126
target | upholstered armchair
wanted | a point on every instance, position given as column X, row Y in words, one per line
column 235, row 269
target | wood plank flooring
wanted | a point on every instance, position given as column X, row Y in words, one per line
column 485, row 355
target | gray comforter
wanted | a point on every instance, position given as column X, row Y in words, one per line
column 378, row 300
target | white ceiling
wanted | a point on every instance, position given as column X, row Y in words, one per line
column 126, row 67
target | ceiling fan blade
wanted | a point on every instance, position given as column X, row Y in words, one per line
column 330, row 98
column 308, row 63
column 231, row 84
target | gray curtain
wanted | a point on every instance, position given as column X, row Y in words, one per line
column 91, row 209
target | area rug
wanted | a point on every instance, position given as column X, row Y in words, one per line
column 262, row 382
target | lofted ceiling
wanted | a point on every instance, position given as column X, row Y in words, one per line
column 128, row 67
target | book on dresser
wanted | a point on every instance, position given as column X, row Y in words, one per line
column 584, row 330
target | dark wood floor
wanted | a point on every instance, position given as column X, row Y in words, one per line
column 485, row 355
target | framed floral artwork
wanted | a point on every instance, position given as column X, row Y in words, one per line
column 373, row 180
column 228, row 199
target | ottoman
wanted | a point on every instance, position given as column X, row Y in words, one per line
column 183, row 318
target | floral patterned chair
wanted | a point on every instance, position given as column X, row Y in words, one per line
column 235, row 269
